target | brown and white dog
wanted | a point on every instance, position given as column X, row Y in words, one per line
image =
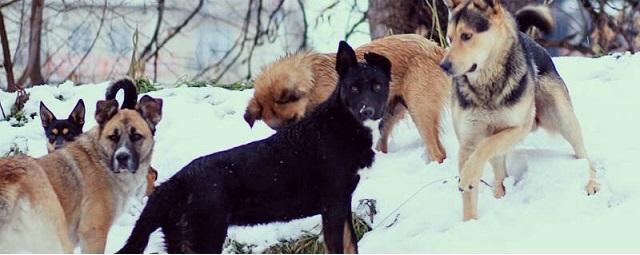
column 504, row 86
column 291, row 87
column 73, row 195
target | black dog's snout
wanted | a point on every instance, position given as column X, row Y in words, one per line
column 123, row 158
column 446, row 66
column 368, row 112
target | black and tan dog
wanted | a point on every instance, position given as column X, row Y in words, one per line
column 504, row 86
column 72, row 196
column 63, row 131
column 308, row 168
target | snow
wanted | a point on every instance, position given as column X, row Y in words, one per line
column 419, row 208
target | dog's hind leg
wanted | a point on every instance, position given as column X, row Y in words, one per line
column 499, row 165
column 349, row 239
column 425, row 94
column 333, row 228
column 555, row 113
column 393, row 114
column 210, row 233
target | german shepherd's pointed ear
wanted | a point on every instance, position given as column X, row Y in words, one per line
column 151, row 110
column 487, row 5
column 379, row 61
column 252, row 113
column 77, row 115
column 46, row 116
column 105, row 110
column 452, row 4
column 346, row 58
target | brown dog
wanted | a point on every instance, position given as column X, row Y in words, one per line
column 72, row 195
column 289, row 88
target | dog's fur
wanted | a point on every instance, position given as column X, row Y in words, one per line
column 129, row 102
column 293, row 86
column 504, row 86
column 307, row 168
column 61, row 132
column 72, row 195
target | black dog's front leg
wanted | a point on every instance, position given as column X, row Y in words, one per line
column 339, row 236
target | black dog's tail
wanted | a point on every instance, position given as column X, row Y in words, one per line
column 130, row 93
column 535, row 16
column 153, row 215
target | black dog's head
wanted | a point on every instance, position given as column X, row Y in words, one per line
column 363, row 86
column 61, row 132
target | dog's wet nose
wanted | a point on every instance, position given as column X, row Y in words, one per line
column 446, row 66
column 367, row 112
column 122, row 158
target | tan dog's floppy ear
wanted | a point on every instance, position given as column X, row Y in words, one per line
column 252, row 113
column 288, row 95
column 151, row 110
column 77, row 115
column 46, row 116
column 105, row 110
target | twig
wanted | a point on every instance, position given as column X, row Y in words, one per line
column 303, row 44
column 93, row 43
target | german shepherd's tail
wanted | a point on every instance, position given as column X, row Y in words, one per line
column 130, row 93
column 10, row 177
column 153, row 215
column 535, row 16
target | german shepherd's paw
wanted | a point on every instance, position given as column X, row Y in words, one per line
column 592, row 187
column 499, row 191
column 469, row 179
column 381, row 146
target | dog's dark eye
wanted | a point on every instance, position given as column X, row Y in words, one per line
column 115, row 137
column 355, row 90
column 136, row 137
column 377, row 87
column 465, row 36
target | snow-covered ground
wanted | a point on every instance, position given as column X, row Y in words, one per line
column 419, row 207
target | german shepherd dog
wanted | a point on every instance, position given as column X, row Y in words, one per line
column 504, row 86
column 307, row 168
column 61, row 132
column 72, row 195
column 293, row 86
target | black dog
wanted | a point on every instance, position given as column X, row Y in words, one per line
column 60, row 132
column 305, row 169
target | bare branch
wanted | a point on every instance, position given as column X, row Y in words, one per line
column 93, row 43
column 8, row 66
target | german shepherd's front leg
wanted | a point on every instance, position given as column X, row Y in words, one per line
column 471, row 171
column 94, row 228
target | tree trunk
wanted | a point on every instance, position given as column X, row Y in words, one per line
column 6, row 54
column 408, row 16
column 33, row 70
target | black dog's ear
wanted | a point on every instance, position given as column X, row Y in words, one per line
column 346, row 58
column 46, row 116
column 379, row 61
column 252, row 113
column 105, row 110
column 77, row 115
column 151, row 110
